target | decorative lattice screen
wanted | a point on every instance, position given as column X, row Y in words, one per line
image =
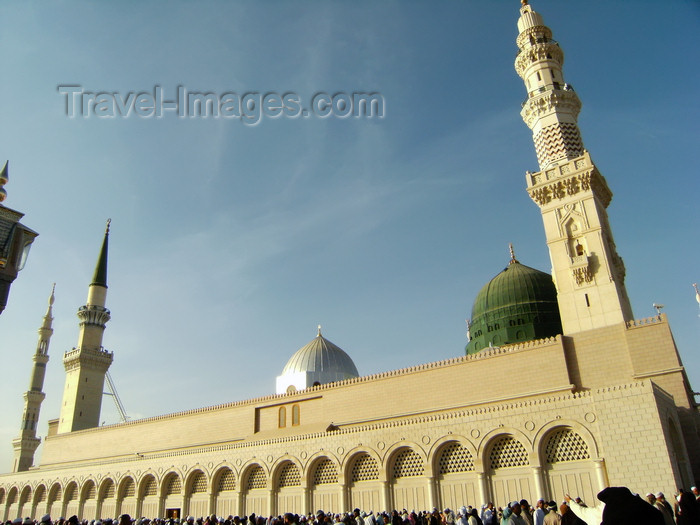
column 566, row 445
column 227, row 481
column 290, row 475
column 257, row 478
column 365, row 468
column 456, row 458
column 408, row 464
column 173, row 486
column 150, row 488
column 325, row 473
column 508, row 452
column 90, row 491
column 199, row 483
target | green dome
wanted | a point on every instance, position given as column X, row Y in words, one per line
column 519, row 304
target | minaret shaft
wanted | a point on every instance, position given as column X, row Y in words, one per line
column 27, row 442
column 87, row 364
column 569, row 189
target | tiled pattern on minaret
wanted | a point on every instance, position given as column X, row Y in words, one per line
column 558, row 141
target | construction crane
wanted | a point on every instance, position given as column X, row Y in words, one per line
column 118, row 402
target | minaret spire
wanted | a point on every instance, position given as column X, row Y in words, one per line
column 100, row 276
column 26, row 443
column 569, row 189
column 87, row 364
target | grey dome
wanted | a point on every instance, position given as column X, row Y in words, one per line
column 322, row 356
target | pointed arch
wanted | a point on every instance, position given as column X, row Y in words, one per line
column 25, row 498
column 224, row 490
column 566, row 450
column 405, row 470
column 39, row 500
column 107, row 497
column 453, row 462
column 507, row 455
column 148, row 502
column 323, row 475
column 254, row 482
column 196, row 493
column 171, row 490
column 88, row 500
column 71, row 499
column 55, row 499
column 11, row 503
column 288, row 490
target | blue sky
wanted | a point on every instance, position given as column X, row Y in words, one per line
column 230, row 242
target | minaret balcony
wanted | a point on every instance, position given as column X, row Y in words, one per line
column 95, row 358
column 555, row 86
column 567, row 178
column 543, row 50
column 93, row 315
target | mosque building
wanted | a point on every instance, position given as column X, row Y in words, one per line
column 611, row 407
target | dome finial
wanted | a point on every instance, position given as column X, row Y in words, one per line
column 524, row 2
column 52, row 297
column 319, row 331
column 512, row 254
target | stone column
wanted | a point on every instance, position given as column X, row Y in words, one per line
column 432, row 491
column 483, row 489
column 539, row 481
column 385, row 495
column 344, row 499
column 600, row 473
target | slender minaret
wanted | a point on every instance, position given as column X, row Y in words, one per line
column 87, row 364
column 569, row 189
column 26, row 443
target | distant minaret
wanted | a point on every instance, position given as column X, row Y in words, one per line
column 26, row 444
column 87, row 364
column 569, row 189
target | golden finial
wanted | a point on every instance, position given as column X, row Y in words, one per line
column 512, row 253
column 524, row 2
column 319, row 331
column 52, row 297
column 109, row 221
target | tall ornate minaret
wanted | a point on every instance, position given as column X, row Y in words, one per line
column 569, row 189
column 26, row 443
column 87, row 364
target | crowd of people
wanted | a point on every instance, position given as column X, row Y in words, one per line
column 617, row 506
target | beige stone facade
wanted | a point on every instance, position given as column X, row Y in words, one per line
column 607, row 403
column 566, row 415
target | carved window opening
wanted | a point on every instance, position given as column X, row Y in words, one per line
column 456, row 458
column 173, row 485
column 150, row 488
column 39, row 495
column 90, row 491
column 295, row 415
column 257, row 478
column 566, row 445
column 199, row 483
column 365, row 468
column 129, row 488
column 289, row 475
column 508, row 452
column 69, row 494
column 325, row 473
column 227, row 481
column 108, row 489
column 282, row 417
column 408, row 464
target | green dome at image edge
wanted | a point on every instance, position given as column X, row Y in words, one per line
column 519, row 304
